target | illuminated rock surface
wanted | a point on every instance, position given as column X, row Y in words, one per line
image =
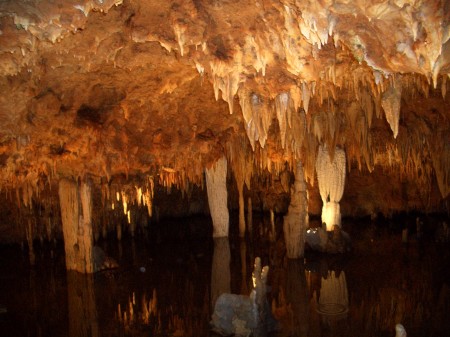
column 142, row 96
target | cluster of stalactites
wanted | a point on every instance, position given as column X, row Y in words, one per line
column 441, row 163
column 331, row 178
column 142, row 195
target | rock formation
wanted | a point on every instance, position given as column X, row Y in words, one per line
column 140, row 95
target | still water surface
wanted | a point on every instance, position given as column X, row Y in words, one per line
column 168, row 281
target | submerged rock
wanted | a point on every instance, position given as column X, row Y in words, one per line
column 333, row 242
column 102, row 261
column 242, row 315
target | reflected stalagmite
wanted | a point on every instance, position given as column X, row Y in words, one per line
column 333, row 299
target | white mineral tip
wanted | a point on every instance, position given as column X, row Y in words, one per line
column 400, row 331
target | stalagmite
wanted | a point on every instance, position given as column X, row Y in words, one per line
column 216, row 185
column 296, row 220
column 331, row 177
column 76, row 215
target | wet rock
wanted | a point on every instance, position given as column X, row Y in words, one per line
column 241, row 315
column 102, row 261
column 442, row 232
column 333, row 242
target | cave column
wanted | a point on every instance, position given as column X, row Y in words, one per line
column 76, row 216
column 331, row 177
column 216, row 185
column 296, row 219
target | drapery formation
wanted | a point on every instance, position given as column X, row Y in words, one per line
column 216, row 184
column 76, row 216
column 331, row 177
column 296, row 220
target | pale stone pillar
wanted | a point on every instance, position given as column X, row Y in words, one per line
column 296, row 220
column 216, row 185
column 76, row 216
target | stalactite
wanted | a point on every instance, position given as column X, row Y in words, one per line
column 216, row 184
column 283, row 111
column 30, row 237
column 295, row 94
column 226, row 79
column 257, row 117
column 309, row 161
column 273, row 236
column 440, row 156
column 250, row 215
column 331, row 178
column 241, row 162
column 296, row 134
column 306, row 95
column 390, row 101
column 296, row 220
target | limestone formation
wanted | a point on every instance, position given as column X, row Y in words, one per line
column 296, row 220
column 216, row 183
column 144, row 96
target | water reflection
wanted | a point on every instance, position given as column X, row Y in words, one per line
column 168, row 288
column 333, row 298
column 220, row 270
column 297, row 295
column 82, row 307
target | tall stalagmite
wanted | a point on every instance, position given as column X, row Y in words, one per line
column 216, row 184
column 76, row 216
column 331, row 177
column 296, row 220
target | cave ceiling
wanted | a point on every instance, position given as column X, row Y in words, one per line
column 108, row 88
